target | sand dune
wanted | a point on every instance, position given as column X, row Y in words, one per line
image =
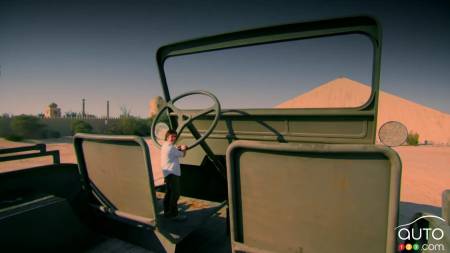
column 432, row 125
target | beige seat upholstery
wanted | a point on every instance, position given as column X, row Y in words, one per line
column 312, row 197
column 117, row 171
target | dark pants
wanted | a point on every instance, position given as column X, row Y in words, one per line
column 172, row 195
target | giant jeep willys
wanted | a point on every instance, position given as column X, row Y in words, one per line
column 253, row 180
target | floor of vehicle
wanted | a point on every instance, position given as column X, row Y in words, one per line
column 212, row 236
column 116, row 245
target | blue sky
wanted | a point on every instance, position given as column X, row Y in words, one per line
column 62, row 51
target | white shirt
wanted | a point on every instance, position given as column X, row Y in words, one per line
column 170, row 159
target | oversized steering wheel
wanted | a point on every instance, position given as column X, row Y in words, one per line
column 185, row 119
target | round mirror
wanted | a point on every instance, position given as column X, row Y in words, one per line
column 393, row 133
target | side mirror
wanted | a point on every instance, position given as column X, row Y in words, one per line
column 393, row 133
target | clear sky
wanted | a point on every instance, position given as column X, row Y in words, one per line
column 63, row 51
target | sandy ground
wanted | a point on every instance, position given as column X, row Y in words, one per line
column 425, row 174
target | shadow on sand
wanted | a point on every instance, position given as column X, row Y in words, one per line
column 64, row 139
column 408, row 209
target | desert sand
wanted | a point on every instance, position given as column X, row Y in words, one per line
column 432, row 125
column 425, row 174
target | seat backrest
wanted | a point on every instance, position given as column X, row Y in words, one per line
column 117, row 170
column 312, row 197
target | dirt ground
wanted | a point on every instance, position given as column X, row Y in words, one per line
column 425, row 173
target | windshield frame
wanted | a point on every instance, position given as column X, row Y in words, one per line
column 367, row 26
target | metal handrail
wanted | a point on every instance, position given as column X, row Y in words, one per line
column 39, row 147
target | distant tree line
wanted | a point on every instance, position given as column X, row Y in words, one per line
column 16, row 128
column 127, row 124
column 124, row 126
column 23, row 126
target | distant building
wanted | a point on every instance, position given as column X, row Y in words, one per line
column 155, row 105
column 52, row 111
